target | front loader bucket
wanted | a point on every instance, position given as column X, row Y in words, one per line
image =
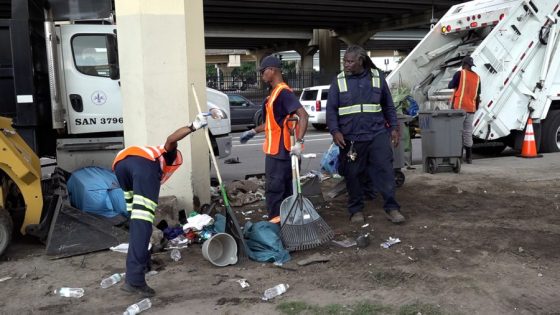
column 74, row 232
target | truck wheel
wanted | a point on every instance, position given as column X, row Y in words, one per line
column 319, row 127
column 5, row 229
column 432, row 165
column 457, row 166
column 550, row 141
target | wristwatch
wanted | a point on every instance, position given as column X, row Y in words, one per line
column 300, row 141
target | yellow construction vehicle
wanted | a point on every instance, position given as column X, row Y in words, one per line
column 20, row 179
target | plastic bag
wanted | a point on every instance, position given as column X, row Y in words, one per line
column 265, row 245
column 329, row 162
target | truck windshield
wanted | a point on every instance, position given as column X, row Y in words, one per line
column 91, row 55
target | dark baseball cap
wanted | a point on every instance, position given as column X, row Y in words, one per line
column 468, row 61
column 270, row 62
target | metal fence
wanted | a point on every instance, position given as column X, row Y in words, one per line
column 254, row 89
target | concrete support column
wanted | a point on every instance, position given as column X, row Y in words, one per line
column 305, row 66
column 329, row 55
column 161, row 53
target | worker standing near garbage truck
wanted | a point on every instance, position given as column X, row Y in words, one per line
column 280, row 105
column 140, row 171
column 363, row 122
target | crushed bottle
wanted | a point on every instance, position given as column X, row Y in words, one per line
column 138, row 307
column 69, row 292
column 175, row 255
column 275, row 291
column 112, row 280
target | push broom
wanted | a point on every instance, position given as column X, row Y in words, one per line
column 232, row 226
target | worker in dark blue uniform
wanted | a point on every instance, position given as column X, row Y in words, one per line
column 140, row 171
column 363, row 122
column 280, row 105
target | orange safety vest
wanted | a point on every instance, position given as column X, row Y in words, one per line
column 466, row 93
column 152, row 153
column 272, row 130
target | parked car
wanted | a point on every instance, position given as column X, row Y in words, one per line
column 243, row 111
column 314, row 100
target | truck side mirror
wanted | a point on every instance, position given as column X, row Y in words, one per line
column 113, row 57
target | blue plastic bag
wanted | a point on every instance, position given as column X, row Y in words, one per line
column 265, row 245
column 329, row 162
column 413, row 108
column 96, row 190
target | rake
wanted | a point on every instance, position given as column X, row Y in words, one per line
column 232, row 225
column 301, row 226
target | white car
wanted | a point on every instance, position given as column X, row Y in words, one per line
column 314, row 100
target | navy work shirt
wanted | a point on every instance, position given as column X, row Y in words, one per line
column 362, row 126
column 286, row 103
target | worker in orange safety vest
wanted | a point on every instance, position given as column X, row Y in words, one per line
column 280, row 105
column 466, row 96
column 140, row 171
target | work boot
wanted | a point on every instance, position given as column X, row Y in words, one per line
column 144, row 291
column 395, row 216
column 357, row 217
column 468, row 155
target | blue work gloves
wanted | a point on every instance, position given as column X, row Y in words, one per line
column 247, row 135
column 199, row 122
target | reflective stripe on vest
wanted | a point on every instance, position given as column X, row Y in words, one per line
column 466, row 93
column 359, row 108
column 272, row 130
column 152, row 153
column 343, row 87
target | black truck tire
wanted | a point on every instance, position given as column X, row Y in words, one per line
column 550, row 141
column 6, row 228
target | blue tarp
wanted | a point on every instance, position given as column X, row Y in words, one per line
column 96, row 190
column 265, row 245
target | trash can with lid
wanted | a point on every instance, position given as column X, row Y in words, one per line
column 442, row 143
column 398, row 151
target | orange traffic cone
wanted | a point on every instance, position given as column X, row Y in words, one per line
column 529, row 148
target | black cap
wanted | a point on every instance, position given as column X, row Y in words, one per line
column 270, row 62
column 468, row 61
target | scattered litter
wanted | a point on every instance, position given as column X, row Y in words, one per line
column 112, row 280
column 365, row 225
column 370, row 216
column 175, row 255
column 390, row 242
column 309, row 155
column 363, row 240
column 345, row 243
column 198, row 222
column 457, row 250
column 5, row 279
column 70, row 292
column 151, row 273
column 315, row 258
column 411, row 259
column 243, row 283
column 540, row 274
column 520, row 249
column 138, row 307
column 23, row 276
column 485, row 192
column 123, row 248
column 232, row 161
column 247, row 212
column 275, row 291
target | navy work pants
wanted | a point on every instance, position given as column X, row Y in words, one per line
column 278, row 183
column 374, row 159
column 139, row 178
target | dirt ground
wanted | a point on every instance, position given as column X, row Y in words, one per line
column 485, row 241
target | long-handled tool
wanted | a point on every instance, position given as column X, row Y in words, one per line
column 301, row 226
column 232, row 226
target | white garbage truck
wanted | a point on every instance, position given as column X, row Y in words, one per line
column 514, row 44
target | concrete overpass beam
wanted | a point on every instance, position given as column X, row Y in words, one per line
column 329, row 55
column 359, row 38
column 161, row 53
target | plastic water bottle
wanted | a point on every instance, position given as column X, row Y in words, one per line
column 275, row 291
column 107, row 282
column 175, row 254
column 70, row 292
column 138, row 307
